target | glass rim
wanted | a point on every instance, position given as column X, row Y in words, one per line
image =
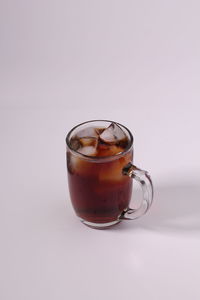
column 98, row 158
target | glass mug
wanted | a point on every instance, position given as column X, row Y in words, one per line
column 101, row 187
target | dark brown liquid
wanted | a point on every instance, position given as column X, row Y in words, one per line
column 98, row 189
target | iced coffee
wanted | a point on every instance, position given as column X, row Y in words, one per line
column 96, row 157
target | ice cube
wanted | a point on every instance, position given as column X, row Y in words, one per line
column 75, row 143
column 89, row 141
column 88, row 150
column 73, row 162
column 114, row 170
column 113, row 134
column 88, row 132
column 113, row 173
column 109, row 150
column 76, row 164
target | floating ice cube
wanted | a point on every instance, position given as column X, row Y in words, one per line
column 73, row 162
column 109, row 150
column 89, row 141
column 88, row 132
column 76, row 164
column 113, row 134
column 75, row 143
column 88, row 150
column 113, row 173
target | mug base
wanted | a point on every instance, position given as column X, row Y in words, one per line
column 100, row 225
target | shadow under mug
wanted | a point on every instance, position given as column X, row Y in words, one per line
column 101, row 187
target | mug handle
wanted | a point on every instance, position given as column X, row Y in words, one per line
column 147, row 188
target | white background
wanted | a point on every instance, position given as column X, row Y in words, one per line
column 64, row 62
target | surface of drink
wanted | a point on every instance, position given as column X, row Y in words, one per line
column 96, row 158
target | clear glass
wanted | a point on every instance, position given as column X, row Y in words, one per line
column 101, row 187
